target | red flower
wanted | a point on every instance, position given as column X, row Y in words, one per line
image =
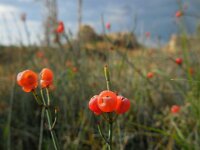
column 93, row 106
column 191, row 71
column 175, row 109
column 107, row 101
column 123, row 105
column 108, row 26
column 150, row 75
column 147, row 34
column 179, row 14
column 179, row 61
column 68, row 63
column 46, row 78
column 40, row 54
column 28, row 80
column 75, row 69
column 60, row 28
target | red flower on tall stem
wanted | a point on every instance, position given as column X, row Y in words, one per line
column 179, row 61
column 60, row 28
column 179, row 14
column 108, row 26
column 147, row 34
column 175, row 109
column 150, row 75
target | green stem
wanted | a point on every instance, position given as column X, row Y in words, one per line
column 49, row 120
column 48, row 99
column 10, row 116
column 41, row 128
column 110, row 133
column 37, row 98
column 101, row 133
column 107, row 76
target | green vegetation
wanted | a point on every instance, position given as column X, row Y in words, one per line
column 78, row 70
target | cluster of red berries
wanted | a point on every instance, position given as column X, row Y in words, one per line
column 28, row 79
column 108, row 101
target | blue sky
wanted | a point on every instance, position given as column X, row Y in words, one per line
column 155, row 16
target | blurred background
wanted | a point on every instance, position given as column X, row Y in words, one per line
column 151, row 48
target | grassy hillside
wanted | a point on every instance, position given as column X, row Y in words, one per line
column 78, row 70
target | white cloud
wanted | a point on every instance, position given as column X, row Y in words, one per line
column 25, row 0
column 7, row 12
column 8, row 9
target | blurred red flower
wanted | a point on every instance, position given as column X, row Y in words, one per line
column 191, row 71
column 179, row 61
column 147, row 34
column 60, row 28
column 150, row 75
column 40, row 54
column 108, row 26
column 175, row 109
column 75, row 69
column 179, row 14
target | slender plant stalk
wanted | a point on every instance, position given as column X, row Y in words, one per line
column 49, row 120
column 10, row 116
column 107, row 77
column 101, row 134
column 48, row 98
column 110, row 134
column 41, row 128
column 37, row 98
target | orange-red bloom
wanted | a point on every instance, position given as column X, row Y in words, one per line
column 40, row 54
column 108, row 26
column 179, row 61
column 191, row 71
column 28, row 80
column 147, row 34
column 75, row 69
column 60, row 28
column 93, row 106
column 150, row 75
column 46, row 78
column 123, row 105
column 107, row 101
column 68, row 63
column 179, row 14
column 175, row 109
